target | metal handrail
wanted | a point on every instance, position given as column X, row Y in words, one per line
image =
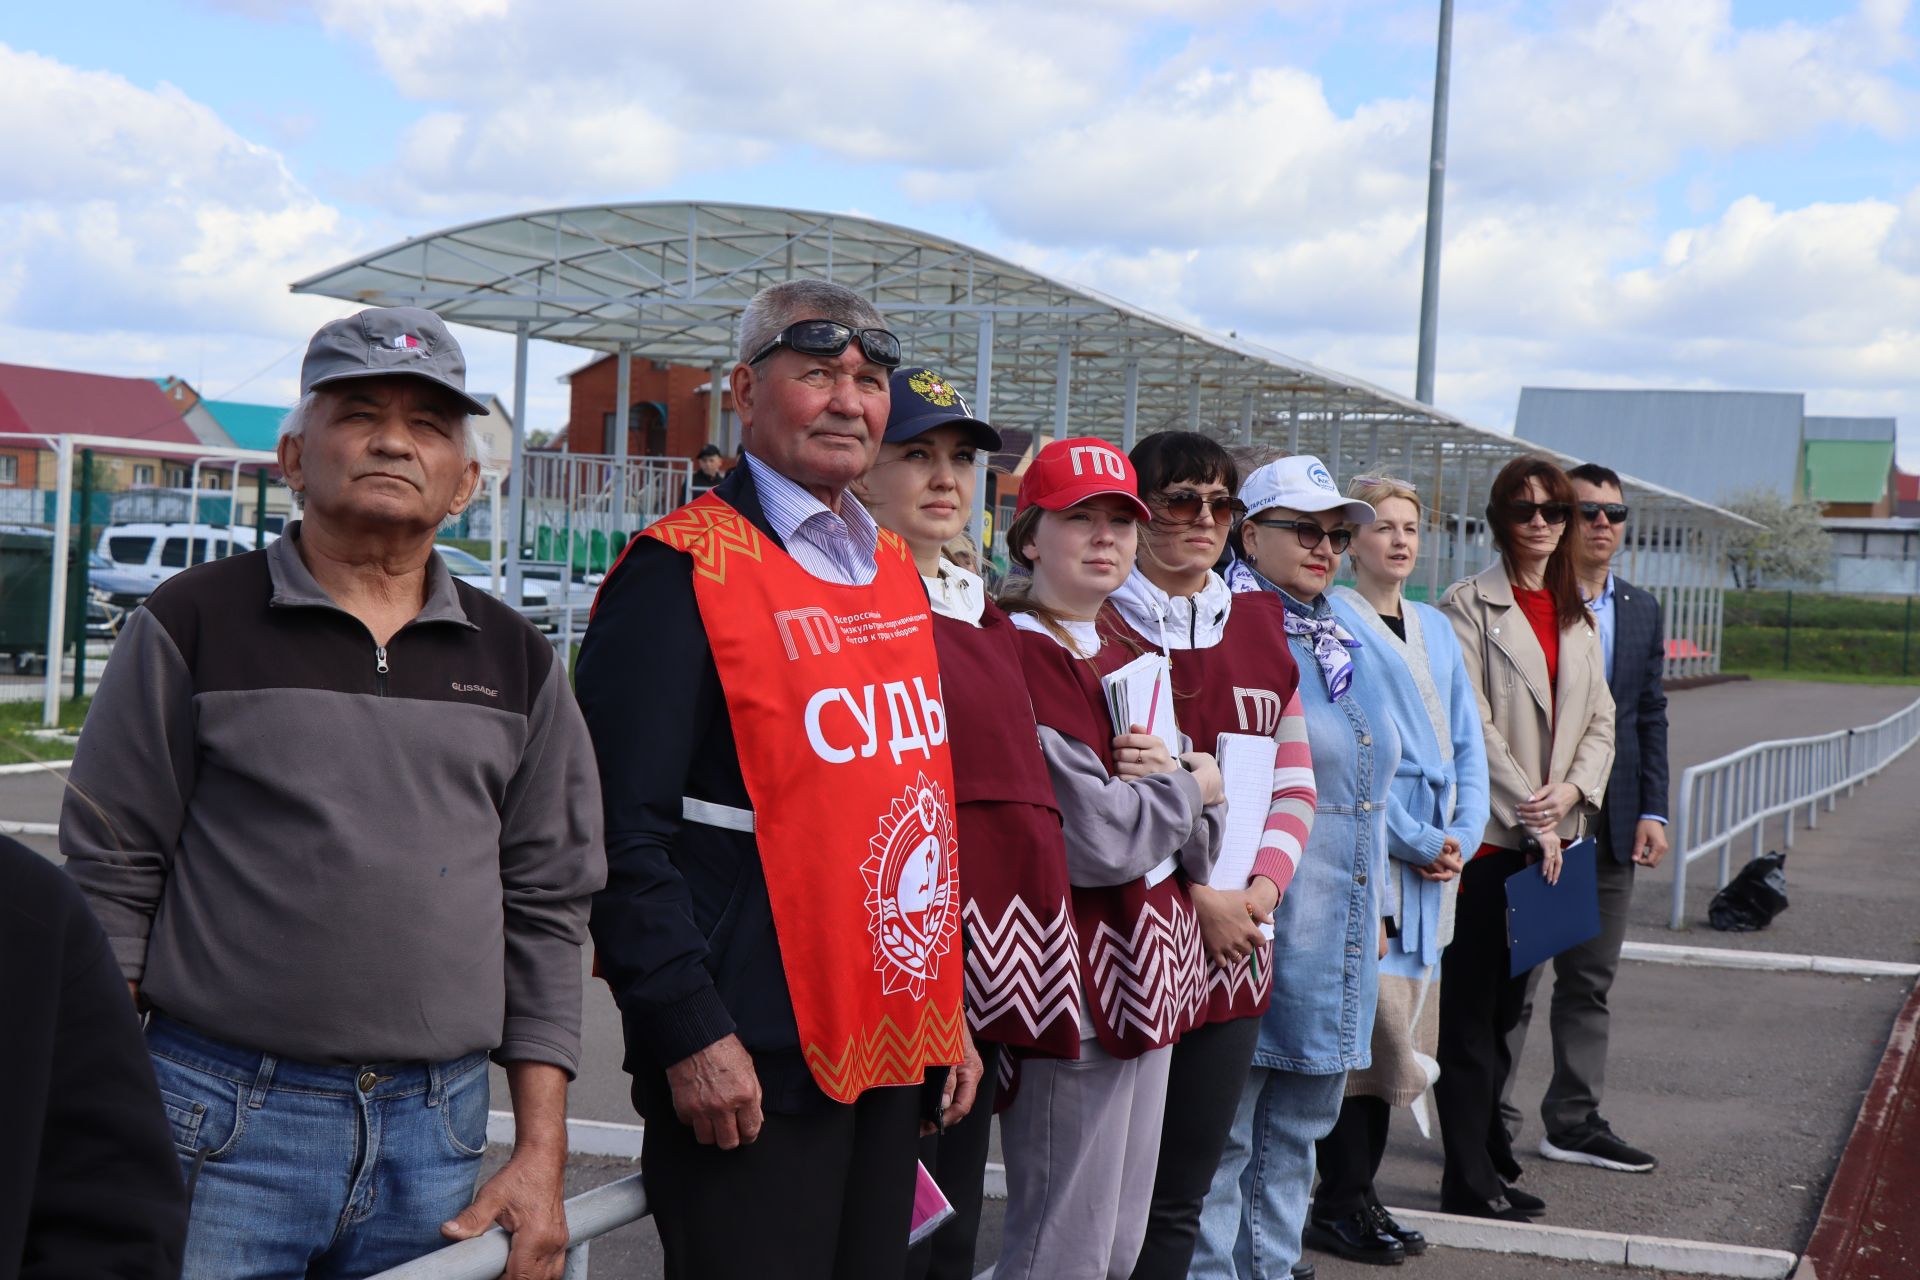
column 590, row 1215
column 1721, row 799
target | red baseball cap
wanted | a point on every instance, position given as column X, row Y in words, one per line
column 1068, row 472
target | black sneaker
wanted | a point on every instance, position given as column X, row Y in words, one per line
column 1596, row 1145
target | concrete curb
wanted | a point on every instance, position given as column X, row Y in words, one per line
column 34, row 766
column 1570, row 1244
column 1767, row 961
column 584, row 1137
column 11, row 828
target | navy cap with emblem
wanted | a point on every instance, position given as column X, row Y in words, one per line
column 924, row 401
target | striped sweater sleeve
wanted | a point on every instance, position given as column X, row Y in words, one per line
column 1290, row 817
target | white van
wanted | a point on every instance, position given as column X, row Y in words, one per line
column 155, row 552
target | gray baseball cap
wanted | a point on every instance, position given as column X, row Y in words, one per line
column 384, row 341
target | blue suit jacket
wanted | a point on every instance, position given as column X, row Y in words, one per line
column 1639, row 781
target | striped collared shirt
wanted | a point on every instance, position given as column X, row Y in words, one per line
column 838, row 548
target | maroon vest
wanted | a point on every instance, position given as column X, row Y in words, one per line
column 1140, row 956
column 1022, row 971
column 1240, row 685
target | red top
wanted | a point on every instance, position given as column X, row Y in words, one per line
column 1538, row 606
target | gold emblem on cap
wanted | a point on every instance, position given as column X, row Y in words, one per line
column 933, row 388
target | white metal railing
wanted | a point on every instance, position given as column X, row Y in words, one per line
column 1723, row 799
column 590, row 1215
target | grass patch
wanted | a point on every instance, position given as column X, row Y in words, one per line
column 1818, row 611
column 479, row 548
column 18, row 745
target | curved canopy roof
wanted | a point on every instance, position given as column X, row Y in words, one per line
column 670, row 280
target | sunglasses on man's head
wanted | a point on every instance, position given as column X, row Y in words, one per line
column 830, row 338
column 1551, row 512
column 1183, row 507
column 1310, row 533
column 1615, row 512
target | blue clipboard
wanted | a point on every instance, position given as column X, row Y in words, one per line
column 1545, row 919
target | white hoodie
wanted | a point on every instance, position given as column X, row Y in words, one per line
column 957, row 593
column 1175, row 622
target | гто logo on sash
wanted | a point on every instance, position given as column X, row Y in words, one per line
column 913, row 888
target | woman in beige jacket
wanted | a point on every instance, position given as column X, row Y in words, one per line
column 1533, row 656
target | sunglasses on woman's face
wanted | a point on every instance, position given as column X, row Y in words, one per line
column 1182, row 507
column 1615, row 512
column 830, row 338
column 1310, row 534
column 1551, row 512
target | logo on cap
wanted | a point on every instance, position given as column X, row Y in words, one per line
column 406, row 342
column 1318, row 474
column 933, row 388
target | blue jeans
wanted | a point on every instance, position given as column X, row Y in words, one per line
column 1250, row 1227
column 297, row 1169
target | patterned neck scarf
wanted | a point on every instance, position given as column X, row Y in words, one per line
column 1329, row 640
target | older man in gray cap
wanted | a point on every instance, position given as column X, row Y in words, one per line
column 339, row 816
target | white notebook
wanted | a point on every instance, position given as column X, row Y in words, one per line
column 1246, row 772
column 1142, row 693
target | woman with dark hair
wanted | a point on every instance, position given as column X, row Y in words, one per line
column 1232, row 673
column 1533, row 657
column 1023, row 986
column 1140, row 824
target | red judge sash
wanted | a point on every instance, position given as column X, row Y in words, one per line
column 834, row 693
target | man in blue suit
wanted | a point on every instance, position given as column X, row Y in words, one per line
column 1632, row 831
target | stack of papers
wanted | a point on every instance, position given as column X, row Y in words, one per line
column 1246, row 770
column 1142, row 693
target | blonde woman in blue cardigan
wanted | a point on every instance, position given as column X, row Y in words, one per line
column 1435, row 812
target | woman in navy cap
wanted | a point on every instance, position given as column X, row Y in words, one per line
column 1023, row 990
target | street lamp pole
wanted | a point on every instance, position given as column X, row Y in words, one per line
column 1436, row 196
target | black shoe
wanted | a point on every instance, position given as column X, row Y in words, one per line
column 1412, row 1241
column 1498, row 1208
column 1303, row 1271
column 1596, row 1145
column 1354, row 1238
column 1525, row 1201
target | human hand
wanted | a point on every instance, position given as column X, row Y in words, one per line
column 1383, row 940
column 1206, row 772
column 1228, row 930
column 1445, row 867
column 1544, row 809
column 1550, row 859
column 716, row 1093
column 963, row 1085
column 1649, row 842
column 1139, row 754
column 526, row 1198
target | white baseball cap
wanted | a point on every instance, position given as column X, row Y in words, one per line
column 1299, row 483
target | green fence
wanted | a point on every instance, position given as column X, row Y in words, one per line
column 1813, row 634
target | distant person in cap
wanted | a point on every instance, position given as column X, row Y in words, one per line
column 1023, row 987
column 781, row 922
column 706, row 471
column 343, row 834
column 1142, row 820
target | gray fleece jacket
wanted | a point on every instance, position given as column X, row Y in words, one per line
column 312, row 846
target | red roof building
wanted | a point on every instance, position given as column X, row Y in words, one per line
column 55, row 402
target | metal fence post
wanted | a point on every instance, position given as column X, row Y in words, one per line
column 80, row 592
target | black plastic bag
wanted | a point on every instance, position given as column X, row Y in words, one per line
column 1753, row 898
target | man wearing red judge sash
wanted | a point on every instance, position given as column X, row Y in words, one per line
column 780, row 926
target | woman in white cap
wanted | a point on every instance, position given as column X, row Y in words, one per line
column 1022, row 975
column 1435, row 814
column 1233, row 673
column 1328, row 930
column 1081, row 1136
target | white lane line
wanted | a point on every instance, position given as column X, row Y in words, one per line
column 1650, row 1253
column 34, row 766
column 8, row 827
column 1768, row 961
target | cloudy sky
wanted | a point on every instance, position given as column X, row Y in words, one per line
column 1686, row 193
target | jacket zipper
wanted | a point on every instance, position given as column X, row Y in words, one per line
column 380, row 670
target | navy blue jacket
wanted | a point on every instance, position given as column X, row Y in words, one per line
column 683, row 932
column 1639, row 781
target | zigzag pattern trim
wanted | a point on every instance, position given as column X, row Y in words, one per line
column 1239, row 974
column 1155, row 979
column 1023, row 967
column 886, row 1055
column 711, row 534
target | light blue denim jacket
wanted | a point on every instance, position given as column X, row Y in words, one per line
column 1326, row 949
